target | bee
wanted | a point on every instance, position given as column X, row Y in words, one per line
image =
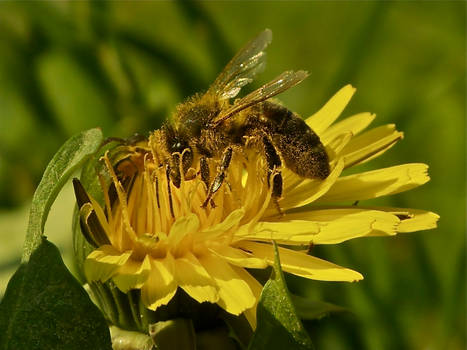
column 215, row 125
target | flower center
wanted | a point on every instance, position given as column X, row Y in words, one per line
column 148, row 214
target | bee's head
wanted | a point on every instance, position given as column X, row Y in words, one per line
column 176, row 141
column 177, row 144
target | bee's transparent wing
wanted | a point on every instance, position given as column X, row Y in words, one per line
column 241, row 69
column 283, row 82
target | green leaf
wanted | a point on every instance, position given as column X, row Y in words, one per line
column 279, row 326
column 45, row 307
column 68, row 158
column 308, row 309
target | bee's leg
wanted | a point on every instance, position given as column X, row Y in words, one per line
column 277, row 185
column 219, row 179
column 274, row 164
column 187, row 161
column 175, row 174
column 169, row 190
column 205, row 177
column 156, row 185
column 204, row 170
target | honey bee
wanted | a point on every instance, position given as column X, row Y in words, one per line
column 211, row 125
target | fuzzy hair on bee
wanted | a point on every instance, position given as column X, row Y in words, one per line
column 212, row 126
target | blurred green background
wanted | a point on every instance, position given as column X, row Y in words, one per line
column 70, row 66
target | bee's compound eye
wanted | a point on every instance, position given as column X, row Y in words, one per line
column 178, row 146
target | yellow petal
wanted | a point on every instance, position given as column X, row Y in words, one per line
column 337, row 144
column 284, row 231
column 132, row 275
column 339, row 225
column 370, row 144
column 237, row 257
column 418, row 220
column 301, row 264
column 235, row 295
column 377, row 183
column 153, row 245
column 322, row 119
column 353, row 124
column 328, row 226
column 412, row 220
column 160, row 285
column 104, row 262
column 182, row 227
column 309, row 190
column 256, row 288
column 100, row 215
column 230, row 221
column 194, row 279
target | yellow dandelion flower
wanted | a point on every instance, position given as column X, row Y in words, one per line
column 208, row 252
column 158, row 236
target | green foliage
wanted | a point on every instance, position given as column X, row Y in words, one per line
column 67, row 160
column 279, row 326
column 45, row 307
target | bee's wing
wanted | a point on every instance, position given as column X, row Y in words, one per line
column 283, row 82
column 241, row 69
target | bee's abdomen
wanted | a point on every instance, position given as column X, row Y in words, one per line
column 299, row 146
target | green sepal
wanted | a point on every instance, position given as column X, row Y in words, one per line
column 278, row 325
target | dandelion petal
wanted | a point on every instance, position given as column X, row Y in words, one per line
column 322, row 119
column 377, row 183
column 412, row 220
column 193, row 279
column 238, row 257
column 235, row 295
column 160, row 285
column 353, row 124
column 370, row 144
column 103, row 263
column 301, row 264
column 256, row 288
column 133, row 274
